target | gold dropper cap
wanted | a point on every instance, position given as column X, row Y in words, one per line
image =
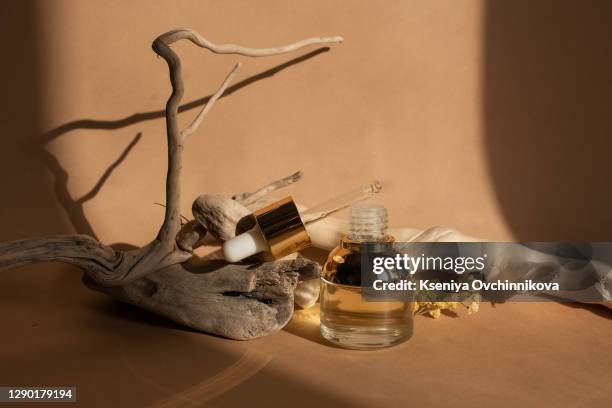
column 282, row 227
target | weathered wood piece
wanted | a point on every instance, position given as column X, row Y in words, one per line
column 236, row 301
column 231, row 300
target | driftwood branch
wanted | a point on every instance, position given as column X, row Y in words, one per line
column 247, row 199
column 211, row 102
column 161, row 46
column 187, row 34
column 237, row 301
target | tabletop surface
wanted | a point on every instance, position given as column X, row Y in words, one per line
column 57, row 332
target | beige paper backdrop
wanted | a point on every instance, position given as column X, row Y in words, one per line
column 382, row 105
column 486, row 117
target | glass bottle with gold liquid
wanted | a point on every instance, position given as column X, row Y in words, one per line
column 347, row 319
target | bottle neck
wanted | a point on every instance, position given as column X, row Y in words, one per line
column 368, row 223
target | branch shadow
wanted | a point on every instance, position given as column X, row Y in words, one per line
column 151, row 115
column 74, row 207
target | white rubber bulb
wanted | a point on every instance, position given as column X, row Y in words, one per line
column 244, row 245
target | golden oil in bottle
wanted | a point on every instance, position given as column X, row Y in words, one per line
column 347, row 319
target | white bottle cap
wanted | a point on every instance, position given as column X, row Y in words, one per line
column 244, row 245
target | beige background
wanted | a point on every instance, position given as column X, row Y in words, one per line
column 382, row 105
column 491, row 117
column 488, row 117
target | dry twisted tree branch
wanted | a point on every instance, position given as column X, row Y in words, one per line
column 200, row 116
column 173, row 36
column 161, row 46
column 237, row 301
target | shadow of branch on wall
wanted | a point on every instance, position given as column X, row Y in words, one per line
column 74, row 207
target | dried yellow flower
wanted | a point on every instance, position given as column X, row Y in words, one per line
column 434, row 309
column 453, row 305
column 473, row 307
